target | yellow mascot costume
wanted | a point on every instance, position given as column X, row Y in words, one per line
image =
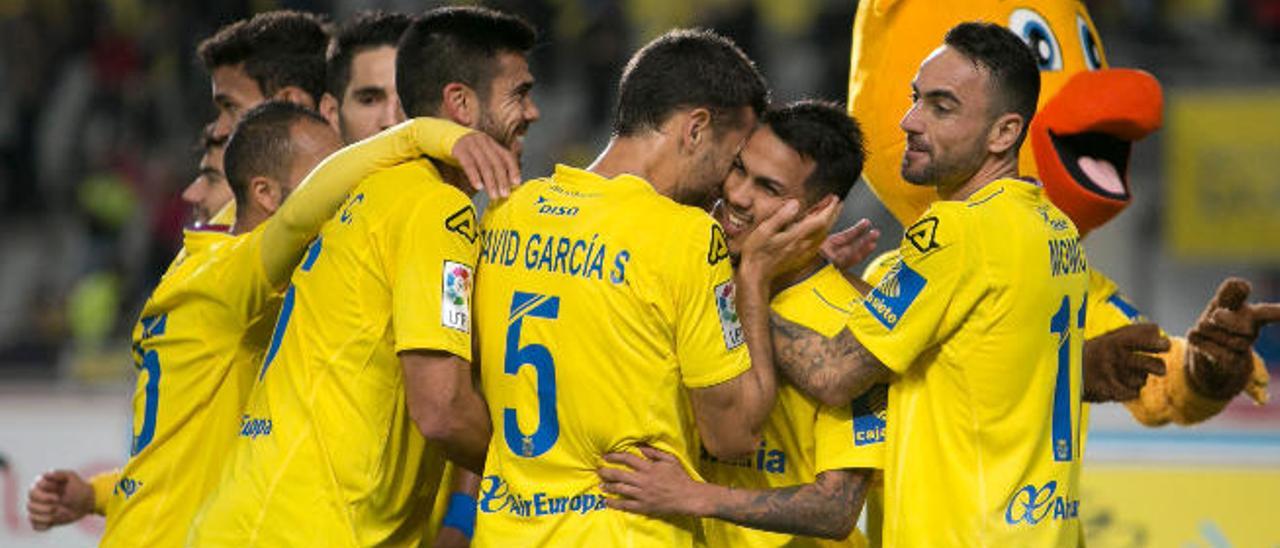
column 1088, row 117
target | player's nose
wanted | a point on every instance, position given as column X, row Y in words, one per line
column 195, row 191
column 531, row 112
column 393, row 114
column 910, row 122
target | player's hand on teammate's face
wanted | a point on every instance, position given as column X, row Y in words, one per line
column 782, row 242
column 849, row 247
column 1221, row 341
column 654, row 484
column 1117, row 363
column 489, row 165
column 57, row 498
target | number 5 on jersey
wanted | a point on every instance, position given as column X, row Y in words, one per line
column 532, row 305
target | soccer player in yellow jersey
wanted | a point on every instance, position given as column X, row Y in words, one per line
column 978, row 326
column 61, row 496
column 205, row 328
column 366, row 387
column 808, row 477
column 605, row 307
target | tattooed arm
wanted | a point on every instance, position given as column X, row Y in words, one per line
column 657, row 485
column 833, row 370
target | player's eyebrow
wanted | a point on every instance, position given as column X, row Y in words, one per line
column 770, row 182
column 369, row 90
column 941, row 94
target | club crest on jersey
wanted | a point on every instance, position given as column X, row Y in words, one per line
column 455, row 304
column 730, row 325
column 891, row 299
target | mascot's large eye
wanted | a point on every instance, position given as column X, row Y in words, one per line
column 1035, row 31
column 1089, row 42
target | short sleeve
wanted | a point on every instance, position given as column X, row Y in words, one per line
column 103, row 483
column 921, row 299
column 1107, row 308
column 821, row 303
column 433, row 273
column 710, row 342
column 852, row 436
column 880, row 266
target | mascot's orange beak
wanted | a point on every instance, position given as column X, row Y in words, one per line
column 1082, row 136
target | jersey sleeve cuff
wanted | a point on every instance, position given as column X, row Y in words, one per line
column 439, row 343
column 723, row 374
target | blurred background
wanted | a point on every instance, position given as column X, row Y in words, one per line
column 101, row 103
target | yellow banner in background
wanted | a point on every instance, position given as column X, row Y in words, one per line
column 1131, row 506
column 1222, row 161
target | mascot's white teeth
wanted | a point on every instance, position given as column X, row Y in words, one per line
column 1102, row 173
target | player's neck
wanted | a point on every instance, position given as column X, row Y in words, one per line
column 994, row 169
column 454, row 177
column 639, row 156
column 247, row 219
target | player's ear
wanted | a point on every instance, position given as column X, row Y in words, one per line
column 297, row 96
column 265, row 193
column 696, row 130
column 459, row 103
column 329, row 109
column 1004, row 132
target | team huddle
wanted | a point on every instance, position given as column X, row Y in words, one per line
column 662, row 348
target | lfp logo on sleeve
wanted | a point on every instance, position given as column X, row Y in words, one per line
column 730, row 325
column 455, row 304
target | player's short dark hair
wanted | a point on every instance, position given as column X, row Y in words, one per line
column 455, row 44
column 1008, row 60
column 687, row 68
column 261, row 144
column 278, row 48
column 823, row 132
column 364, row 31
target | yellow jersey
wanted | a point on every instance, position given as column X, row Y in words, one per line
column 201, row 336
column 598, row 302
column 982, row 319
column 802, row 438
column 328, row 455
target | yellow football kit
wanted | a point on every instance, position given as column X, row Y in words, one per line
column 982, row 319
column 598, row 302
column 801, row 437
column 329, row 455
column 202, row 334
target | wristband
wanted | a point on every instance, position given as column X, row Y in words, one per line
column 461, row 514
